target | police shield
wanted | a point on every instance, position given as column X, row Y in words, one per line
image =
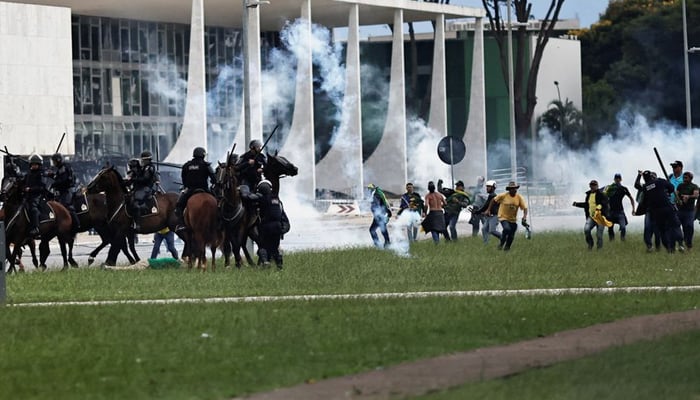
column 451, row 150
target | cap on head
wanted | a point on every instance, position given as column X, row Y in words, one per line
column 491, row 183
column 593, row 183
column 512, row 185
column 371, row 186
column 461, row 184
column 677, row 164
column 618, row 176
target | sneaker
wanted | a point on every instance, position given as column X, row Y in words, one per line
column 681, row 248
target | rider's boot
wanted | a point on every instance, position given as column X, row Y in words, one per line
column 137, row 218
column 76, row 221
column 34, row 222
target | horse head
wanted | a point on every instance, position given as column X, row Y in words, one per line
column 278, row 166
column 108, row 180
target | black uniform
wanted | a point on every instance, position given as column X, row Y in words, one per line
column 143, row 183
column 34, row 190
column 63, row 186
column 250, row 177
column 662, row 212
column 197, row 174
column 271, row 215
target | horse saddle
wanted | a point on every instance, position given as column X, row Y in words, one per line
column 150, row 206
column 46, row 212
column 80, row 203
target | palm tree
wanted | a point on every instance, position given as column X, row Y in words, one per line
column 565, row 119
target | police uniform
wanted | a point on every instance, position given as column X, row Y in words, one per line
column 196, row 175
column 248, row 165
column 270, row 227
column 63, row 183
column 143, row 182
column 34, row 189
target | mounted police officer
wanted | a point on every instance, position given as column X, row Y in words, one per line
column 270, row 227
column 197, row 174
column 133, row 168
column 63, row 185
column 34, row 189
column 251, row 165
column 144, row 182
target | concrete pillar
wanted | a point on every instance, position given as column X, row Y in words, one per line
column 299, row 147
column 341, row 168
column 194, row 123
column 386, row 167
column 474, row 162
column 437, row 119
column 252, row 81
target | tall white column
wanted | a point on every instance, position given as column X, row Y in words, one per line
column 341, row 168
column 300, row 145
column 437, row 119
column 386, row 167
column 194, row 124
column 252, row 86
column 474, row 162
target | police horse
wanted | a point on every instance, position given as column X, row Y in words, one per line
column 54, row 221
column 161, row 210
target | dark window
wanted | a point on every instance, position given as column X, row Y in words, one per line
column 95, row 39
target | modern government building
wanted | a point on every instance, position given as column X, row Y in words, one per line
column 169, row 75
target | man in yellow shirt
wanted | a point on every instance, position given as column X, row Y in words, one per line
column 509, row 203
column 595, row 207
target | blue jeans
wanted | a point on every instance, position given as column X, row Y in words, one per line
column 618, row 217
column 687, row 218
column 588, row 227
column 380, row 222
column 169, row 243
column 508, row 234
column 651, row 229
column 490, row 227
column 451, row 222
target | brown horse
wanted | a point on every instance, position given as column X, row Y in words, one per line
column 17, row 227
column 110, row 181
column 277, row 167
column 202, row 222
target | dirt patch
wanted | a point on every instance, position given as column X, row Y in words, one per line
column 440, row 373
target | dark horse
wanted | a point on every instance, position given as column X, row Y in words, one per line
column 92, row 213
column 109, row 181
column 57, row 224
column 202, row 222
column 277, row 167
column 231, row 211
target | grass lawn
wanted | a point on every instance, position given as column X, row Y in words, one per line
column 212, row 351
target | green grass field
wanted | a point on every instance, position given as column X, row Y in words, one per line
column 216, row 351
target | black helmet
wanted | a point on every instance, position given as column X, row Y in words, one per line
column 233, row 158
column 255, row 143
column 133, row 163
column 36, row 159
column 265, row 186
column 199, row 152
column 57, row 158
column 146, row 155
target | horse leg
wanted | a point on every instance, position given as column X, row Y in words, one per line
column 116, row 245
column 70, row 242
column 132, row 247
column 62, row 244
column 44, row 252
column 93, row 254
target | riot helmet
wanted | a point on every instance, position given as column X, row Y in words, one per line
column 255, row 144
column 36, row 159
column 57, row 158
column 265, row 187
column 199, row 152
column 146, row 157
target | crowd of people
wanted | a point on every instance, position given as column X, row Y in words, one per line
column 669, row 207
column 439, row 212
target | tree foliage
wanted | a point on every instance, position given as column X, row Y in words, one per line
column 565, row 120
column 633, row 60
column 524, row 75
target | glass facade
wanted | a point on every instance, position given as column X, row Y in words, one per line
column 129, row 85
